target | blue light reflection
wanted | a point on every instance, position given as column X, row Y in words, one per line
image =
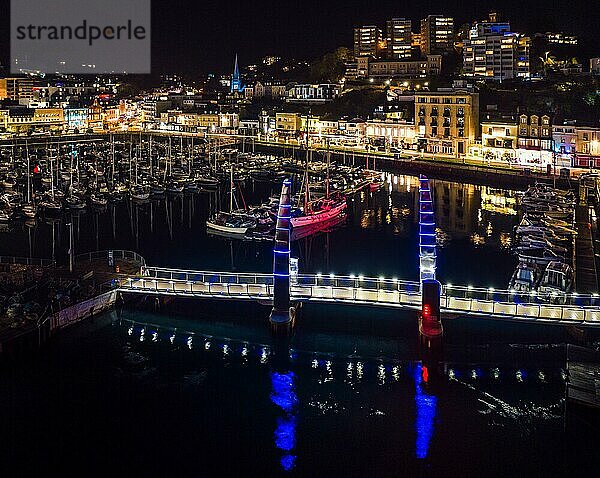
column 425, row 405
column 284, row 396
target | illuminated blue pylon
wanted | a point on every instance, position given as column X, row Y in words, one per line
column 430, row 325
column 427, row 242
column 281, row 257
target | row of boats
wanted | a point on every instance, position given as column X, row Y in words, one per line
column 56, row 178
column 320, row 202
column 544, row 243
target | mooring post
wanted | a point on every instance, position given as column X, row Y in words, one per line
column 282, row 315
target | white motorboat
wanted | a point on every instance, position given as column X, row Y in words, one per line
column 231, row 223
column 525, row 278
column 557, row 279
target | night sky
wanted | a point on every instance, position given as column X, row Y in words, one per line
column 195, row 36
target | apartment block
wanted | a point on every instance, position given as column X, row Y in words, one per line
column 446, row 121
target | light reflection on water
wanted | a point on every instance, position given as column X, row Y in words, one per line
column 284, row 396
column 243, row 399
column 379, row 237
column 425, row 405
column 360, row 375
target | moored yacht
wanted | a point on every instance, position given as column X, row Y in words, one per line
column 525, row 278
column 557, row 279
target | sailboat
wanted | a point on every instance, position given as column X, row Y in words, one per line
column 231, row 223
column 138, row 192
column 50, row 204
column 28, row 209
column 319, row 210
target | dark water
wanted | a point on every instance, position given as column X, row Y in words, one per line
column 200, row 389
column 379, row 237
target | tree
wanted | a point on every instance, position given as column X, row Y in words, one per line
column 126, row 90
column 331, row 67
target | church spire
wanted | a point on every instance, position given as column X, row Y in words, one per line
column 236, row 83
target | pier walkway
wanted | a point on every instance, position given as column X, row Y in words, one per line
column 357, row 290
column 586, row 278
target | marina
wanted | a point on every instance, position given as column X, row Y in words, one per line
column 498, row 342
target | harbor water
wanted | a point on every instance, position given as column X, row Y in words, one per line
column 199, row 388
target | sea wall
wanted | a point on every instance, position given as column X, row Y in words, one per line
column 83, row 310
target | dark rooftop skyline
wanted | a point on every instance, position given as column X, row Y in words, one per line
column 200, row 37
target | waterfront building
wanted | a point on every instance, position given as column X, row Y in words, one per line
column 76, row 119
column 17, row 89
column 499, row 140
column 249, row 127
column 534, row 143
column 564, row 139
column 287, row 124
column 492, row 51
column 595, row 66
column 398, row 38
column 3, row 120
column 393, row 133
column 152, row 107
column 587, row 147
column 437, row 34
column 367, row 41
column 446, row 121
column 229, row 122
column 421, row 68
column 317, row 126
column 305, row 93
column 39, row 119
column 353, row 131
column 186, row 121
column 95, row 120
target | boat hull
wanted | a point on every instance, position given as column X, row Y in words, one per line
column 316, row 218
column 227, row 229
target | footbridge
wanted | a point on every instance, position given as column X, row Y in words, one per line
column 284, row 287
column 372, row 291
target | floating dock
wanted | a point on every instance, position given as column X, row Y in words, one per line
column 586, row 279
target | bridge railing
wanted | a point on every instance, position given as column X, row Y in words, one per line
column 517, row 297
column 368, row 290
column 378, row 283
column 357, row 282
column 28, row 261
column 207, row 277
column 117, row 254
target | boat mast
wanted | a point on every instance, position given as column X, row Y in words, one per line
column 327, row 178
column 191, row 159
column 28, row 173
column 76, row 166
column 70, row 174
column 150, row 154
column 51, row 176
column 306, row 181
column 130, row 165
column 136, row 168
column 231, row 189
